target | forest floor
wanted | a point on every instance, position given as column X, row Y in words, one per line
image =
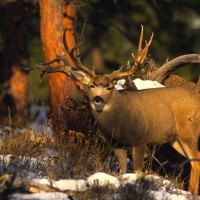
column 43, row 167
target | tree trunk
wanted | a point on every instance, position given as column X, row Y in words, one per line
column 52, row 26
column 13, row 58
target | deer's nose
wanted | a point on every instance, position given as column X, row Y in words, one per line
column 98, row 99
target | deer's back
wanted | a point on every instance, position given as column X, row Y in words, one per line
column 149, row 115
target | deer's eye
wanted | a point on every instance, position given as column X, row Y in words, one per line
column 91, row 86
column 109, row 88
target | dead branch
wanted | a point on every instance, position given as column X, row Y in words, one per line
column 165, row 70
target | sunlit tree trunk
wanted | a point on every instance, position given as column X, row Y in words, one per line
column 53, row 21
column 13, row 58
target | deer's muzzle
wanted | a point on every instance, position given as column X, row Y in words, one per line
column 98, row 103
column 98, row 100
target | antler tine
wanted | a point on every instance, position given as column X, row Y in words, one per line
column 71, row 52
column 139, row 59
column 83, row 30
column 143, row 52
column 47, row 67
column 78, row 44
column 64, row 41
column 76, row 48
column 139, row 44
column 141, row 39
column 57, row 59
column 150, row 40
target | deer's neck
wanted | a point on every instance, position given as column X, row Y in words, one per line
column 121, row 118
column 112, row 115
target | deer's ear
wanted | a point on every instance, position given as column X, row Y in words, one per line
column 80, row 77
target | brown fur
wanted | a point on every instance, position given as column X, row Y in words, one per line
column 157, row 116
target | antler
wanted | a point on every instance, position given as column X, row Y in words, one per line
column 76, row 59
column 73, row 53
column 46, row 67
column 138, row 60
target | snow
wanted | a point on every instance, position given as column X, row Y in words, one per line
column 100, row 179
column 146, row 84
column 42, row 181
column 32, row 162
column 165, row 189
column 160, row 195
column 58, row 195
column 103, row 179
column 40, row 196
column 139, row 83
column 6, row 158
column 120, row 83
column 97, row 179
column 128, row 178
column 70, row 185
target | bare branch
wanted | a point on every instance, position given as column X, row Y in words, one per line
column 164, row 71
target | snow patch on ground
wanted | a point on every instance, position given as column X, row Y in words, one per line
column 103, row 179
column 160, row 195
column 70, row 185
column 40, row 196
column 164, row 188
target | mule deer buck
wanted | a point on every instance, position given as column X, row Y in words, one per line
column 138, row 118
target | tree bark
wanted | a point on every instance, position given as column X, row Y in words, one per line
column 13, row 58
column 52, row 26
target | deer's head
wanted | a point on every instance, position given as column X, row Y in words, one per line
column 98, row 88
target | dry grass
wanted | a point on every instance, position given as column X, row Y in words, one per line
column 76, row 157
column 72, row 156
column 66, row 156
column 67, row 153
column 23, row 153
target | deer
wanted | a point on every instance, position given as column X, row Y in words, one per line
column 137, row 118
